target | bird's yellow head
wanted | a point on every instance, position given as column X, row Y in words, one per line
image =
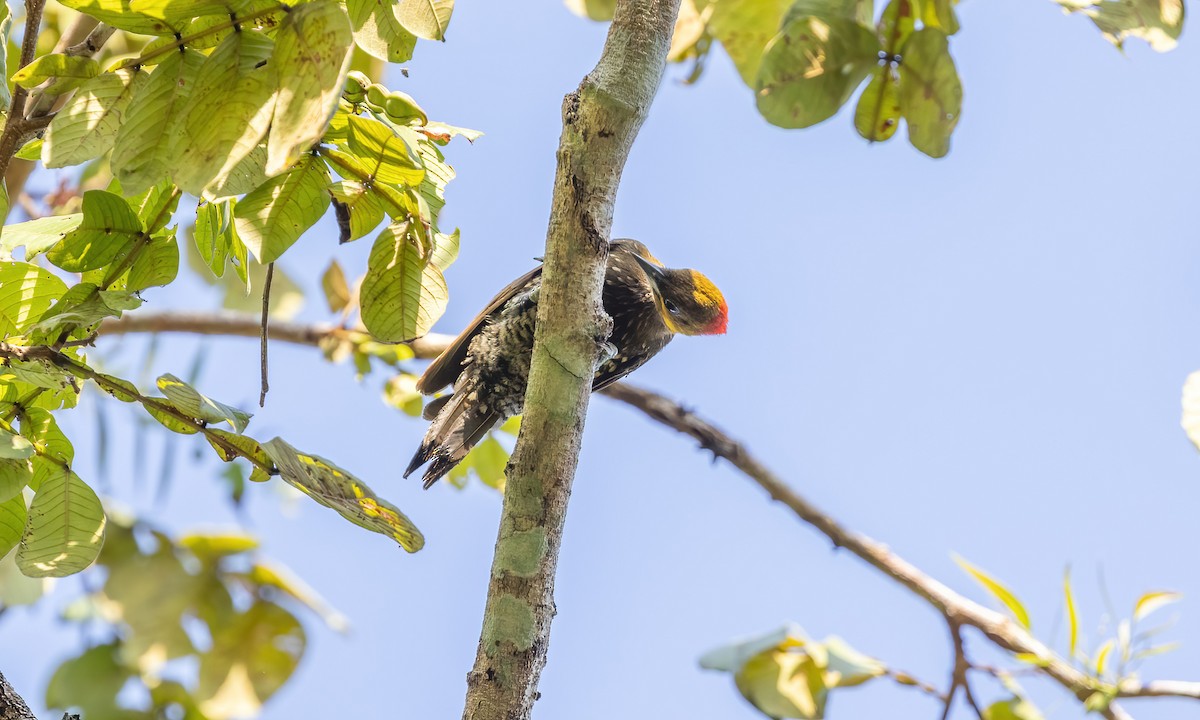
column 690, row 304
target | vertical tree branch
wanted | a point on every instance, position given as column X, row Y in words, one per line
column 600, row 121
column 12, row 706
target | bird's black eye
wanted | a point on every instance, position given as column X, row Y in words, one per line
column 671, row 307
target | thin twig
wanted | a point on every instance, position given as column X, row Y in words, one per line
column 262, row 343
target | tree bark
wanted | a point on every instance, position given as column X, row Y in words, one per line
column 12, row 706
column 600, row 121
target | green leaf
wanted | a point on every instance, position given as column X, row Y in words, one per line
column 1001, row 593
column 437, row 175
column 120, row 15
column 237, row 78
column 186, row 399
column 425, row 18
column 274, row 216
column 108, row 231
column 247, row 446
column 896, row 23
column 1152, row 601
column 12, row 523
column 358, row 209
column 878, row 113
column 38, row 236
column 210, row 548
column 245, row 176
column 143, row 151
column 66, row 527
column 312, row 56
column 403, row 293
column 810, row 69
column 87, row 125
column 156, row 265
column 1012, row 709
column 153, row 610
column 31, row 151
column 843, row 666
column 1102, row 657
column 445, row 250
column 336, row 488
column 861, row 11
column 26, row 293
column 278, row 577
column 213, row 234
column 180, row 10
column 783, row 684
column 378, row 31
column 1072, row 616
column 5, row 30
column 120, row 389
column 489, row 462
column 337, row 292
column 744, row 27
column 930, row 92
column 156, row 205
column 940, row 14
column 14, row 447
column 168, row 420
column 1158, row 22
column 731, row 657
column 69, row 72
column 251, row 658
column 80, row 308
column 89, row 682
column 14, row 476
column 385, row 154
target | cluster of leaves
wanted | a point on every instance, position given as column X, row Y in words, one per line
column 239, row 103
column 786, row 674
column 1113, row 660
column 805, row 59
column 196, row 627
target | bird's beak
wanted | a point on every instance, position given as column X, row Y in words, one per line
column 654, row 272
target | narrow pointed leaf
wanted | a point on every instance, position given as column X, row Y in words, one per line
column 1072, row 617
column 1003, row 594
column 69, row 72
column 1152, row 601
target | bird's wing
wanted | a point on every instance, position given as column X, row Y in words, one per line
column 445, row 369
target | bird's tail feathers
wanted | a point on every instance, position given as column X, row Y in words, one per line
column 459, row 424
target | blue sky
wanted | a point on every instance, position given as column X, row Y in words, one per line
column 980, row 355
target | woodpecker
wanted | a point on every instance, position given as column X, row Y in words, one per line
column 488, row 363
